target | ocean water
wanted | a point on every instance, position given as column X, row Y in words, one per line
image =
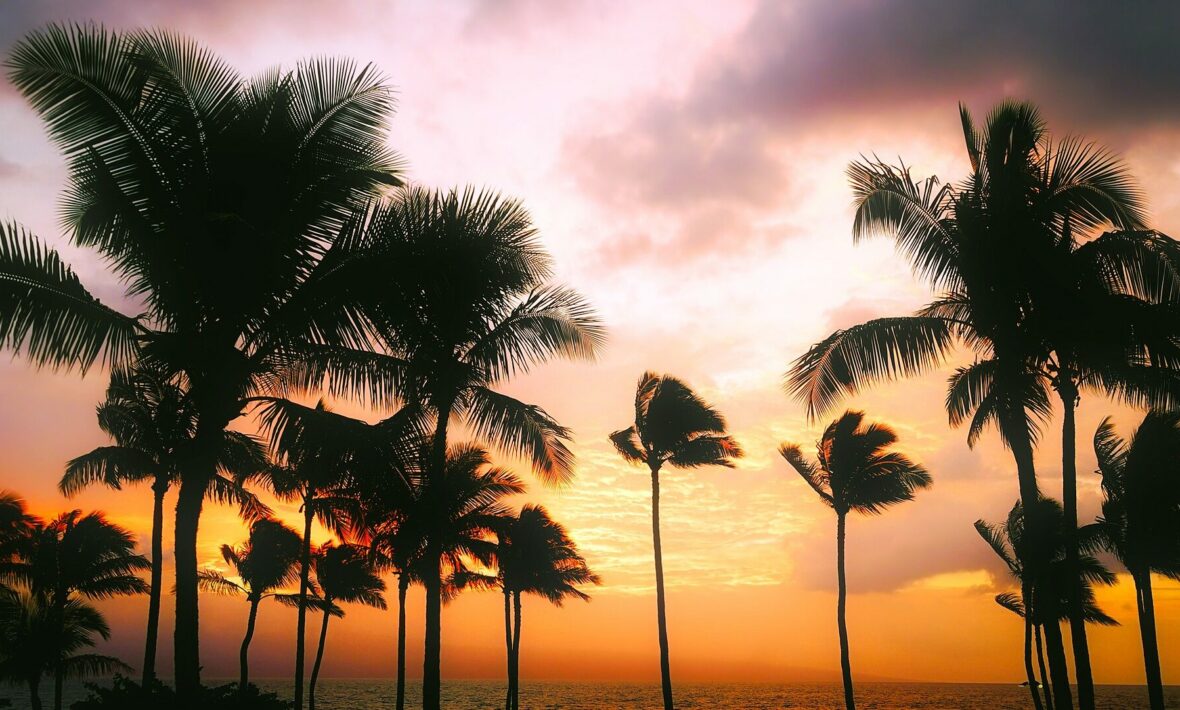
column 358, row 694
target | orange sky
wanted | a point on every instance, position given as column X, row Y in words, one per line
column 684, row 163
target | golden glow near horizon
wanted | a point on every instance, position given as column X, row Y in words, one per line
column 709, row 222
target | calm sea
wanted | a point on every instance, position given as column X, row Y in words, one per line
column 353, row 694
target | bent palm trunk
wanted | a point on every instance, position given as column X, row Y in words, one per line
column 1069, row 493
column 402, row 583
column 159, row 488
column 841, row 620
column 244, row 653
column 319, row 658
column 304, row 571
column 1151, row 652
column 661, row 615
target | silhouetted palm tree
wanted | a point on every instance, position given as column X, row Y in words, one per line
column 468, row 275
column 38, row 638
column 672, row 426
column 15, row 524
column 982, row 244
column 74, row 555
column 1051, row 582
column 345, row 574
column 181, row 168
column 1140, row 520
column 855, row 472
column 152, row 421
column 534, row 555
column 266, row 563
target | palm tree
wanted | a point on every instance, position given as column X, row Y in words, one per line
column 345, row 574
column 152, row 421
column 1052, row 582
column 473, row 309
column 672, row 426
column 1141, row 517
column 855, row 472
column 74, row 554
column 16, row 524
column 983, row 244
column 181, row 168
column 265, row 564
column 37, row 638
column 534, row 555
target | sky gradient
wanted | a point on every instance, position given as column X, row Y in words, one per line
column 684, row 164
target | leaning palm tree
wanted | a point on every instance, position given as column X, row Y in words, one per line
column 1051, row 582
column 179, row 168
column 857, row 472
column 152, row 421
column 1140, row 521
column 39, row 639
column 345, row 574
column 468, row 308
column 264, row 565
column 672, row 426
column 983, row 244
column 70, row 556
column 534, row 555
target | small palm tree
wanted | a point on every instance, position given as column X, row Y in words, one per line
column 38, row 638
column 74, row 555
column 266, row 563
column 856, row 472
column 345, row 574
column 1140, row 521
column 676, row 427
column 152, row 422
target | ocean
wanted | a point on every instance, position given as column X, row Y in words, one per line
column 359, row 694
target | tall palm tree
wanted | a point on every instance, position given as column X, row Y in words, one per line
column 265, row 564
column 672, row 426
column 181, row 168
column 1141, row 517
column 38, row 639
column 983, row 244
column 534, row 555
column 468, row 276
column 75, row 555
column 856, row 472
column 152, row 421
column 1051, row 582
column 345, row 574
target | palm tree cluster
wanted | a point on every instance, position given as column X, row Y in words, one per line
column 1048, row 276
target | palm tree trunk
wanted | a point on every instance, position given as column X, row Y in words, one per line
column 59, row 618
column 304, row 572
column 319, row 658
column 516, row 653
column 1044, row 671
column 1058, row 666
column 661, row 614
column 1151, row 652
column 432, row 656
column 35, row 693
column 403, row 582
column 1029, row 675
column 244, row 653
column 508, row 647
column 159, row 488
column 1068, row 391
column 841, row 619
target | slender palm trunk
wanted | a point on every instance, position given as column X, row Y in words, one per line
column 403, row 583
column 841, row 608
column 1058, row 665
column 304, row 572
column 1151, row 652
column 1067, row 390
column 432, row 656
column 319, row 657
column 661, row 612
column 35, row 693
column 1029, row 675
column 1044, row 671
column 516, row 653
column 244, row 653
column 159, row 488
column 508, row 647
column 59, row 674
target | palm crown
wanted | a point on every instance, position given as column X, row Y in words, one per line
column 266, row 563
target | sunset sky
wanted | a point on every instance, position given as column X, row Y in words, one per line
column 684, row 164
